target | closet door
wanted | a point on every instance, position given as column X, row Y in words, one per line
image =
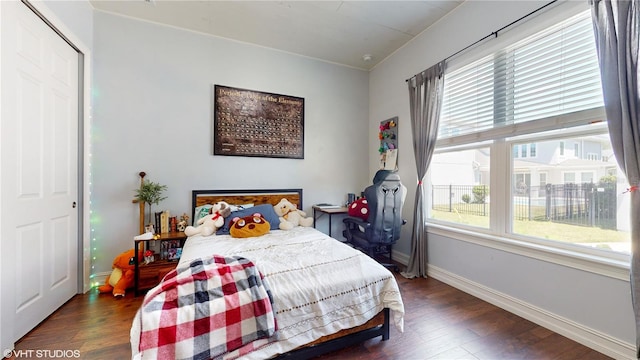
column 39, row 176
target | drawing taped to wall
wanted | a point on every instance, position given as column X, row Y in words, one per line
column 388, row 150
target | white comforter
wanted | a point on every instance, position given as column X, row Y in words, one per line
column 319, row 285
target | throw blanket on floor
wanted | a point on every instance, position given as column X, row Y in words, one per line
column 215, row 305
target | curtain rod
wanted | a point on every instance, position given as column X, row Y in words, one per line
column 495, row 33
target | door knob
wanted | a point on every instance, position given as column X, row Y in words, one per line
column 73, row 205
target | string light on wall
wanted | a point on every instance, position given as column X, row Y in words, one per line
column 93, row 219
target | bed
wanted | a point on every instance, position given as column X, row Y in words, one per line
column 324, row 294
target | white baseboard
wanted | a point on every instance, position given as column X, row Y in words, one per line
column 99, row 279
column 400, row 257
column 586, row 336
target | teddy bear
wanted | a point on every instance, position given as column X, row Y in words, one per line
column 290, row 216
column 121, row 278
column 209, row 224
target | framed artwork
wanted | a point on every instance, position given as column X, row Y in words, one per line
column 255, row 123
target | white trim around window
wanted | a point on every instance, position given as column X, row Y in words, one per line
column 615, row 266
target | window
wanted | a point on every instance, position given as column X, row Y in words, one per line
column 595, row 156
column 569, row 178
column 522, row 182
column 456, row 195
column 540, row 101
column 542, row 179
column 587, row 176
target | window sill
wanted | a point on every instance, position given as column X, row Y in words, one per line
column 616, row 266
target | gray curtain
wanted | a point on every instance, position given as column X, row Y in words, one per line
column 425, row 100
column 615, row 25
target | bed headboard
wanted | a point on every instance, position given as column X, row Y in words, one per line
column 237, row 197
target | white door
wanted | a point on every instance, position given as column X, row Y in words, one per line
column 39, row 174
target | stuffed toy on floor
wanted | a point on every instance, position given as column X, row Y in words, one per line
column 121, row 278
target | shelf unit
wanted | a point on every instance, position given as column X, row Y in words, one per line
column 149, row 275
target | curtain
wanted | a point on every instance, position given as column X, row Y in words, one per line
column 425, row 100
column 616, row 28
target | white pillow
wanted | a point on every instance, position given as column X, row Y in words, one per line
column 240, row 207
column 204, row 210
column 201, row 211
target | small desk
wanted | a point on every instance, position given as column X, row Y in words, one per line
column 318, row 211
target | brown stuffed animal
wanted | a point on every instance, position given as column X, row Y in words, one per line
column 249, row 226
column 121, row 278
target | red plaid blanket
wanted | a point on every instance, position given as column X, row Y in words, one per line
column 213, row 306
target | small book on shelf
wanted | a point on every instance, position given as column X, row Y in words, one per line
column 158, row 222
column 164, row 221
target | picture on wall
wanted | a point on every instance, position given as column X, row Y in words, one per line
column 255, row 123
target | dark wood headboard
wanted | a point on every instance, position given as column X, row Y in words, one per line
column 238, row 197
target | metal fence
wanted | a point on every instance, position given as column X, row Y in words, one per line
column 585, row 204
column 461, row 198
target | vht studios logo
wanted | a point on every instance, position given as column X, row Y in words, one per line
column 42, row 353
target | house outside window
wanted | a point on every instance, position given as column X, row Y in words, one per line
column 533, row 100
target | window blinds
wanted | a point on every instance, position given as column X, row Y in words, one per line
column 551, row 75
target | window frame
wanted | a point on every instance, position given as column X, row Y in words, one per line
column 499, row 235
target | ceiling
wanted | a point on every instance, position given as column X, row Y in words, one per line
column 342, row 32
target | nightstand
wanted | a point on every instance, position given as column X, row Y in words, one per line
column 166, row 259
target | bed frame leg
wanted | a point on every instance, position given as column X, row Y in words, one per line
column 310, row 352
column 385, row 326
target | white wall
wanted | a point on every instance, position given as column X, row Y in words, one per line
column 590, row 307
column 153, row 112
column 77, row 16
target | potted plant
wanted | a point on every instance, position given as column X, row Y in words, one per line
column 150, row 193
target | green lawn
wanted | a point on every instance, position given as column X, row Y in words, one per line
column 542, row 229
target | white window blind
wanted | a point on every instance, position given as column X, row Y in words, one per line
column 550, row 74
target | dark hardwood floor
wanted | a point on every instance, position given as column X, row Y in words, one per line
column 441, row 322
